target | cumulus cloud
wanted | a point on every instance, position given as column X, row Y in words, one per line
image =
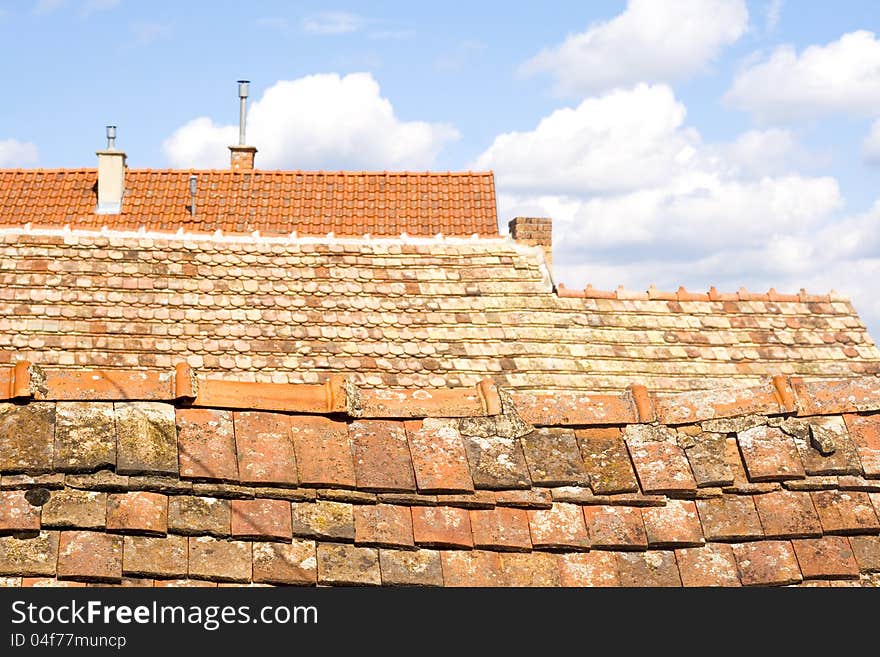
column 650, row 41
column 840, row 77
column 14, row 153
column 671, row 209
column 314, row 122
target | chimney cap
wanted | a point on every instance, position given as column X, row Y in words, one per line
column 243, row 88
column 111, row 137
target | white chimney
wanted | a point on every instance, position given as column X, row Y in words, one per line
column 111, row 176
column 242, row 156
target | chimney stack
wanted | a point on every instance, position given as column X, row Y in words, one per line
column 111, row 176
column 534, row 231
column 242, row 156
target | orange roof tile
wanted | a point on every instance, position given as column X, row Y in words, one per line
column 734, row 492
column 309, row 202
column 394, row 313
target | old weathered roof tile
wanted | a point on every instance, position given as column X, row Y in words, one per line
column 383, row 525
column 501, row 528
column 344, row 564
column 261, row 519
column 712, row 565
column 828, row 557
column 330, row 528
column 286, row 563
column 767, row 563
column 411, row 567
column 787, row 514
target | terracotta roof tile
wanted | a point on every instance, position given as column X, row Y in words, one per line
column 399, row 314
column 529, row 530
column 767, row 563
column 308, row 202
column 827, row 557
column 712, row 565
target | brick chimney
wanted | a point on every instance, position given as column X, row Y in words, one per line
column 242, row 157
column 534, row 231
column 111, row 176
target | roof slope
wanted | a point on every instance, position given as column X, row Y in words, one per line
column 309, row 202
column 774, row 485
column 390, row 313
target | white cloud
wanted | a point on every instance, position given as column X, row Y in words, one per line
column 840, row 77
column 670, row 209
column 764, row 153
column 14, row 153
column 314, row 122
column 772, row 14
column 333, row 22
column 650, row 41
column 871, row 145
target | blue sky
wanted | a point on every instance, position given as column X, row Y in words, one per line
column 685, row 142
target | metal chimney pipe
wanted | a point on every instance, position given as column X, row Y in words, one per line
column 111, row 137
column 242, row 95
column 193, row 183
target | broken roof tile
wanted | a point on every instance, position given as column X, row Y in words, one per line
column 660, row 463
column 769, row 454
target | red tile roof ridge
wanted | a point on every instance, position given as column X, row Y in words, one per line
column 682, row 294
column 779, row 395
column 181, row 233
column 324, row 172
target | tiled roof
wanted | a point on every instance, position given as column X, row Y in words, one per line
column 393, row 312
column 309, row 202
column 118, row 478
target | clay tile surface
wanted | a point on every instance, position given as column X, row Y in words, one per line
column 236, row 201
column 330, row 497
column 398, row 316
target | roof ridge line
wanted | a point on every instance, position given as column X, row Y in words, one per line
column 250, row 236
column 187, row 171
column 778, row 395
column 682, row 294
